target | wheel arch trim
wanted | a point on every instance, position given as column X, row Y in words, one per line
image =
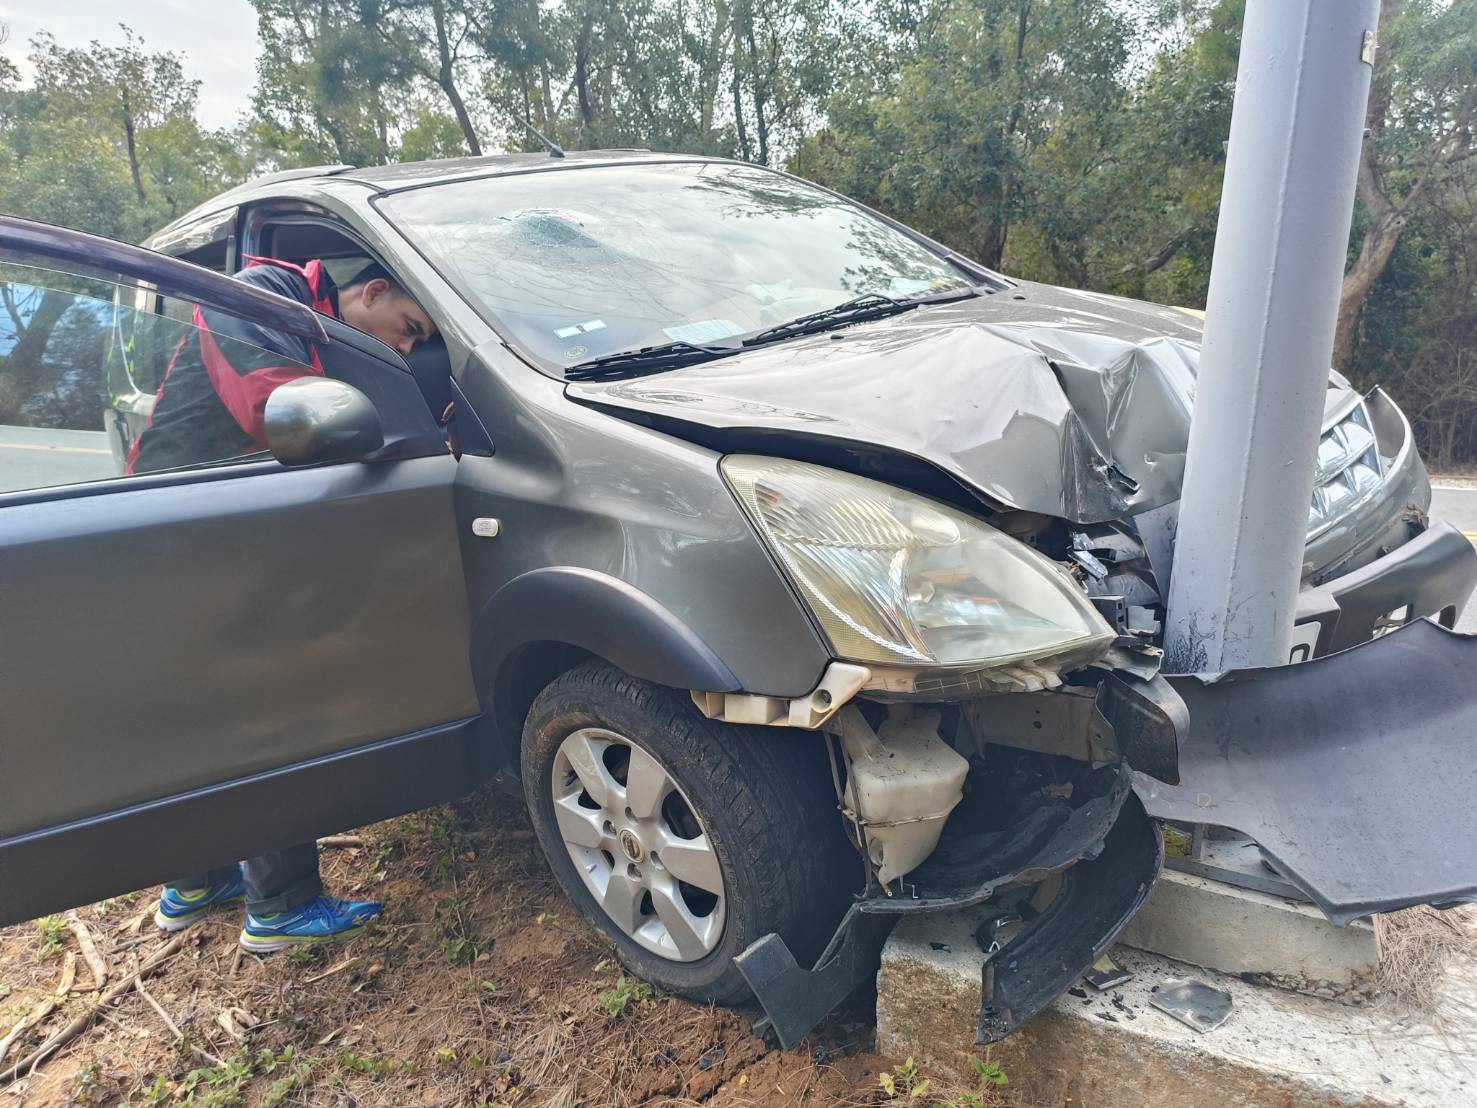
column 603, row 615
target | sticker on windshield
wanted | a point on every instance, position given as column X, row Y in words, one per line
column 907, row 286
column 581, row 328
column 704, row 330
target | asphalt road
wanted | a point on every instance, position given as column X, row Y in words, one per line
column 31, row 457
column 1458, row 506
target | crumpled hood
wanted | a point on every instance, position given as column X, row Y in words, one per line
column 1067, row 403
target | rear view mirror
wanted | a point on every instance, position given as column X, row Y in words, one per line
column 314, row 419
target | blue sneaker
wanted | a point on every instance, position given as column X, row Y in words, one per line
column 178, row 908
column 324, row 920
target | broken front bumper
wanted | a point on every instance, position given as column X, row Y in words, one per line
column 1355, row 773
column 1433, row 574
column 1088, row 833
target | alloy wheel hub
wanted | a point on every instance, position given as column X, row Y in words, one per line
column 638, row 844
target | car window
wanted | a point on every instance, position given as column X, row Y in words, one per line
column 575, row 264
column 81, row 364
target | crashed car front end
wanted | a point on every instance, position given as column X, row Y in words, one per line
column 991, row 749
column 969, row 726
column 867, row 456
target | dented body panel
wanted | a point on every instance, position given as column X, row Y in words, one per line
column 1068, row 404
column 1071, row 405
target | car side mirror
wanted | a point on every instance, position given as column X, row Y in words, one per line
column 314, row 419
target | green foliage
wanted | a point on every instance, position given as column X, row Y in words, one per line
column 903, row 1084
column 459, row 950
column 989, row 1071
column 284, row 1086
column 105, row 139
column 625, row 993
column 49, row 931
column 215, row 1086
column 224, row 1086
column 307, row 954
column 375, row 1067
column 90, row 1085
column 975, row 122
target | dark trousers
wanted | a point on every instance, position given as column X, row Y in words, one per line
column 276, row 882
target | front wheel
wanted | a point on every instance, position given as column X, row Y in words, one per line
column 684, row 839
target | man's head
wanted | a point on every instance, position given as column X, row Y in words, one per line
column 375, row 302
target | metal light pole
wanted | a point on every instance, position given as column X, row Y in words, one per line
column 1301, row 90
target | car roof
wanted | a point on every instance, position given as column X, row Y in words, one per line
column 401, row 175
column 409, row 174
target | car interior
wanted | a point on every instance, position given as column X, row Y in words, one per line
column 300, row 240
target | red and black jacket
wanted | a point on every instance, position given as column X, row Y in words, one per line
column 210, row 404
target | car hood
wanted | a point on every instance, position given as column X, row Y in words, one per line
column 1072, row 404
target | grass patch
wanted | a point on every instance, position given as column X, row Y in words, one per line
column 627, row 991
column 49, row 935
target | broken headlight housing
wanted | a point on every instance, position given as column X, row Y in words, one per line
column 897, row 579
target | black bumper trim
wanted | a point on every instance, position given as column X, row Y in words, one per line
column 1434, row 572
column 1355, row 773
column 1108, row 853
column 1097, row 899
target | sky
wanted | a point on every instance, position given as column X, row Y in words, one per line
column 216, row 37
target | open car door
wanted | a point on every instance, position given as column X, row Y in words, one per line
column 210, row 661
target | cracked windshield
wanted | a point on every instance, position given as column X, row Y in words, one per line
column 574, row 266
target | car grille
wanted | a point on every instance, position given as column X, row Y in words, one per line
column 1349, row 470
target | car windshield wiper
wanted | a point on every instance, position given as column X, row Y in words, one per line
column 648, row 359
column 869, row 305
column 679, row 353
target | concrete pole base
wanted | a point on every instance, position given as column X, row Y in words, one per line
column 1277, row 1050
column 1279, row 942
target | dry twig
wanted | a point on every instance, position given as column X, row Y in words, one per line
column 34, row 1017
column 30, row 1019
column 69, row 975
column 179, row 1036
column 347, row 963
column 95, row 961
column 342, row 841
column 81, row 1023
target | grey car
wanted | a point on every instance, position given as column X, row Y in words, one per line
column 806, row 573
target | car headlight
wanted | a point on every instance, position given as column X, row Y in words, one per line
column 897, row 579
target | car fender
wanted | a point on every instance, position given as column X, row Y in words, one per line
column 599, row 614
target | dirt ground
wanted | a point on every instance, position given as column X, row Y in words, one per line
column 479, row 986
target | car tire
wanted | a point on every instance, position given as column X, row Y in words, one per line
column 760, row 799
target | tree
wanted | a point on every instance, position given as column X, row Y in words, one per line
column 952, row 125
column 328, row 79
column 433, row 38
column 106, row 139
column 1419, row 132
